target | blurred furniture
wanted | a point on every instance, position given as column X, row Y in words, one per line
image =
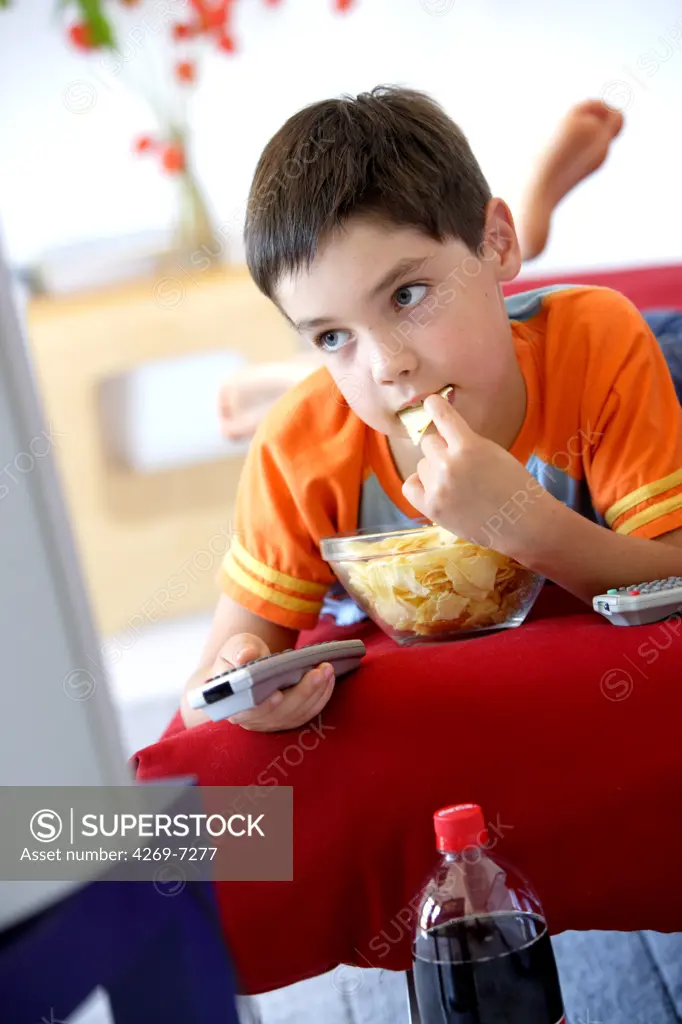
column 155, row 953
column 150, row 544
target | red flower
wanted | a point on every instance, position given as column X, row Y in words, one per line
column 143, row 143
column 81, row 36
column 186, row 71
column 212, row 18
column 181, row 31
column 173, row 159
column 226, row 43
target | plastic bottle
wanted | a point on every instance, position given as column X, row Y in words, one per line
column 482, row 952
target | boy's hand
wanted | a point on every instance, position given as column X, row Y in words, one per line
column 470, row 485
column 283, row 710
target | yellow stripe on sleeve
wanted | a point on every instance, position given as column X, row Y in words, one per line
column 238, row 551
column 294, row 604
column 662, row 508
column 643, row 493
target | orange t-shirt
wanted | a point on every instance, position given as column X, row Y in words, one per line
column 602, row 432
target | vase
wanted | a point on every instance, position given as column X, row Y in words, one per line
column 195, row 234
column 195, row 244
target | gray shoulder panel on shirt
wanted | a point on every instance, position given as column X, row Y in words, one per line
column 377, row 510
column 526, row 304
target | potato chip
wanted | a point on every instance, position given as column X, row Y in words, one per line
column 450, row 606
column 416, row 419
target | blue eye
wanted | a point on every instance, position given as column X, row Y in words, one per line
column 405, row 296
column 327, row 343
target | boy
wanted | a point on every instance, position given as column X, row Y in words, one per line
column 576, row 150
column 372, row 228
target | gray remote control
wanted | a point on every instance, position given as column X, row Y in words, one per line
column 250, row 684
column 641, row 603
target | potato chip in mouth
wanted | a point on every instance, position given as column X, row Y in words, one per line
column 416, row 419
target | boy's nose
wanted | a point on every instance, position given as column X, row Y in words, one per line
column 390, row 360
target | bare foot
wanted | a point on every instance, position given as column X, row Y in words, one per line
column 247, row 395
column 577, row 150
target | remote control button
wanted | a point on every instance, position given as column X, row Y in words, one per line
column 634, row 592
column 612, row 591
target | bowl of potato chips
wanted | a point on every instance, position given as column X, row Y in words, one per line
column 422, row 584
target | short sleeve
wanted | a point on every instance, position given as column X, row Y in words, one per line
column 634, row 421
column 273, row 566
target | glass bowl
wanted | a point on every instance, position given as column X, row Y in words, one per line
column 422, row 584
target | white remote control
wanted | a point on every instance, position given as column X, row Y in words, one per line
column 250, row 684
column 641, row 603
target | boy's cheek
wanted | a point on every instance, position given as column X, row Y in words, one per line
column 349, row 388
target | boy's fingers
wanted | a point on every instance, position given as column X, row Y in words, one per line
column 291, row 708
column 285, row 715
column 315, row 680
column 261, row 713
column 318, row 691
column 299, row 703
column 239, row 649
column 413, row 488
column 432, row 442
column 297, row 716
column 450, row 424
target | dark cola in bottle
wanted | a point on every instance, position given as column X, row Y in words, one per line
column 482, row 951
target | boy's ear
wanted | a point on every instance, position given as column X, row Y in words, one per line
column 500, row 243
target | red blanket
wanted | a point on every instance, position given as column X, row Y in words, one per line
column 566, row 731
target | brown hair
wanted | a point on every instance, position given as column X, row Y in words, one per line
column 390, row 153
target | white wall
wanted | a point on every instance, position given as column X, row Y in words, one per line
column 506, row 71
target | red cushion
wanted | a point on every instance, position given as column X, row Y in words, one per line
column 647, row 287
column 566, row 731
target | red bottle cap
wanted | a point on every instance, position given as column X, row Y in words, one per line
column 459, row 826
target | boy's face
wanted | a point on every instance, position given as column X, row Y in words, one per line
column 398, row 316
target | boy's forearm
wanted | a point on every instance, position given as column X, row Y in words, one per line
column 583, row 557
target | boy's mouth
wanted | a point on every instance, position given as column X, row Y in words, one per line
column 416, row 403
column 416, row 419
